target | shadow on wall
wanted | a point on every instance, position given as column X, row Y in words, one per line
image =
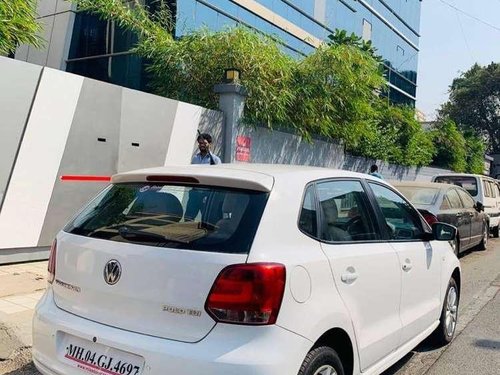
column 280, row 147
column 362, row 165
column 284, row 147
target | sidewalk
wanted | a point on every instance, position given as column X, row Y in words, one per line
column 476, row 349
column 21, row 286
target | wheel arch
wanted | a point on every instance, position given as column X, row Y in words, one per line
column 457, row 276
column 340, row 341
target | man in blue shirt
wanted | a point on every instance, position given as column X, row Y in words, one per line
column 197, row 197
column 374, row 172
column 204, row 156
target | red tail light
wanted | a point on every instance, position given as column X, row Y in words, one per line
column 430, row 218
column 247, row 294
column 52, row 262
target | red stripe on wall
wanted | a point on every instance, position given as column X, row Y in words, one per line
column 85, row 178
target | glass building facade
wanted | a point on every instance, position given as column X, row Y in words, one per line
column 100, row 49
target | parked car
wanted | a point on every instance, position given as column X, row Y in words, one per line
column 483, row 189
column 449, row 204
column 274, row 270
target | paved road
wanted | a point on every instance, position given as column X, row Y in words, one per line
column 475, row 350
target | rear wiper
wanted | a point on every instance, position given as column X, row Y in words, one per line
column 128, row 232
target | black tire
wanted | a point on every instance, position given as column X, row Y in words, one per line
column 322, row 356
column 442, row 336
column 485, row 234
column 495, row 231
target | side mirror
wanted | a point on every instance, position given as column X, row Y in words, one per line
column 479, row 207
column 444, row 232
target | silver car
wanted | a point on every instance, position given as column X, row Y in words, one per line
column 453, row 205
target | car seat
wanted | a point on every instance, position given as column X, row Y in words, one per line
column 331, row 231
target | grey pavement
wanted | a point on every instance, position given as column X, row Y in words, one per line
column 480, row 285
column 477, row 349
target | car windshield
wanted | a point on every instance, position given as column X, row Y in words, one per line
column 468, row 183
column 419, row 195
column 196, row 218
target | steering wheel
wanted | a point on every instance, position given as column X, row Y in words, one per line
column 351, row 223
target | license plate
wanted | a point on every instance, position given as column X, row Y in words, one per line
column 98, row 359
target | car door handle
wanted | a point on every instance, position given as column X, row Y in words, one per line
column 349, row 277
column 407, row 266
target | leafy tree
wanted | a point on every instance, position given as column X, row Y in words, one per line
column 398, row 137
column 342, row 38
column 18, row 25
column 335, row 93
column 451, row 146
column 474, row 103
column 475, row 153
column 332, row 92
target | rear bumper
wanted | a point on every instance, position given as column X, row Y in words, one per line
column 494, row 221
column 228, row 349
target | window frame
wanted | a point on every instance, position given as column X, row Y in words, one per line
column 424, row 226
column 377, row 223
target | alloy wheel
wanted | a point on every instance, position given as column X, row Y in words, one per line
column 326, row 370
column 451, row 312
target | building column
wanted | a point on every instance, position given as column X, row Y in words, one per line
column 232, row 103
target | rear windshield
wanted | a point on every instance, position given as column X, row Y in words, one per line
column 419, row 195
column 196, row 218
column 468, row 183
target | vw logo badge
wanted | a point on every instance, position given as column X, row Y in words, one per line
column 112, row 272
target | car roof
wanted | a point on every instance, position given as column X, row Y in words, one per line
column 261, row 177
column 463, row 175
column 435, row 185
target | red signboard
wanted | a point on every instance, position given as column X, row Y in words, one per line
column 243, row 146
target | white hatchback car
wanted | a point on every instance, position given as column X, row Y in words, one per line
column 248, row 270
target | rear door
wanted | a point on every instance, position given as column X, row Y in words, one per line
column 143, row 257
column 476, row 218
column 365, row 267
column 461, row 217
column 419, row 262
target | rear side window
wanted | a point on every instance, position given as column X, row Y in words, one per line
column 454, row 199
column 307, row 219
column 466, row 199
column 468, row 183
column 487, row 189
column 419, row 195
column 195, row 218
column 493, row 189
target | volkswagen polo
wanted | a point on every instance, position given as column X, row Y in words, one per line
column 244, row 269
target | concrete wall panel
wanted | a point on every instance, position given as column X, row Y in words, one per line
column 46, row 7
column 64, row 6
column 18, row 88
column 280, row 147
column 184, row 132
column 39, row 56
column 59, row 44
column 91, row 149
column 147, row 121
column 22, row 52
column 35, row 172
